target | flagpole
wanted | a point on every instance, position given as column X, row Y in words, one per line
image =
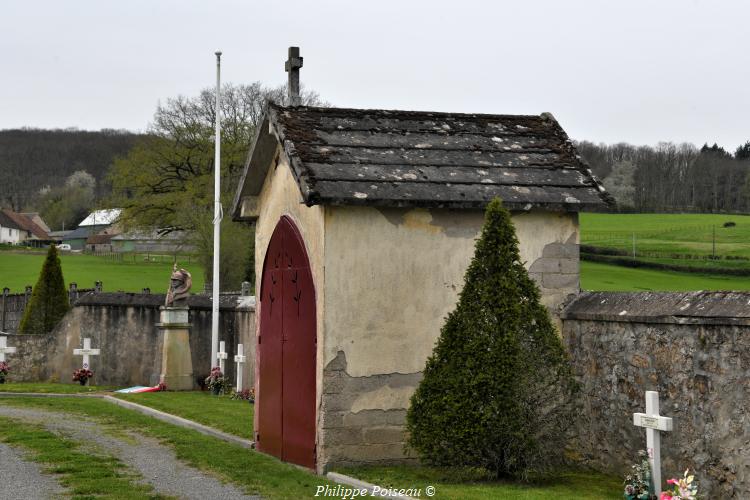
column 218, row 215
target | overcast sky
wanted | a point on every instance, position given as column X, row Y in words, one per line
column 635, row 71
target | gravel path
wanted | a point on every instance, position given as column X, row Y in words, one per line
column 155, row 462
column 24, row 478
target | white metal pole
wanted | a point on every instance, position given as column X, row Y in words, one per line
column 218, row 215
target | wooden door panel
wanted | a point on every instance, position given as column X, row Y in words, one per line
column 269, row 398
column 287, row 350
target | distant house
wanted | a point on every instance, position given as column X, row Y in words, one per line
column 99, row 243
column 32, row 230
column 10, row 232
column 99, row 222
column 152, row 241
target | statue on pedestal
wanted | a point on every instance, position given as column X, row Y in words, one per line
column 179, row 287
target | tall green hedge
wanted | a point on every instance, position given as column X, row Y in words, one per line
column 49, row 299
column 497, row 389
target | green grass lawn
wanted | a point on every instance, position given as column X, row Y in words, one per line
column 49, row 387
column 469, row 485
column 18, row 269
column 221, row 412
column 256, row 472
column 596, row 276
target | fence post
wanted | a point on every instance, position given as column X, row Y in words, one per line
column 26, row 296
column 6, row 291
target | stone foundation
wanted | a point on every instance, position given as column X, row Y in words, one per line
column 363, row 419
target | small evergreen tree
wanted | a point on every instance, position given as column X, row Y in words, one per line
column 49, row 300
column 497, row 389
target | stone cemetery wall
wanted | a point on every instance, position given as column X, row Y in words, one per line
column 12, row 306
column 122, row 325
column 694, row 349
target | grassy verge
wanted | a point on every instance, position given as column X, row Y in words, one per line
column 606, row 277
column 50, row 387
column 220, row 412
column 256, row 472
column 473, row 485
column 84, row 474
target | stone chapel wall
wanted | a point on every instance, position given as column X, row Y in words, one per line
column 122, row 325
column 391, row 277
column 694, row 349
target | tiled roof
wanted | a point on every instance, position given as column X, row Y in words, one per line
column 407, row 158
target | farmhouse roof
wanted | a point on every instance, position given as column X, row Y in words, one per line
column 99, row 239
column 82, row 233
column 101, row 217
column 8, row 222
column 423, row 159
column 26, row 224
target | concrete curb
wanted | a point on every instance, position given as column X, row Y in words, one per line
column 50, row 395
column 357, row 483
column 182, row 422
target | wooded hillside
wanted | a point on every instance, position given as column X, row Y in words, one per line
column 31, row 159
column 672, row 177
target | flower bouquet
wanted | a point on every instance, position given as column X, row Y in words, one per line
column 685, row 488
column 82, row 375
column 638, row 483
column 216, row 381
column 4, row 369
column 245, row 394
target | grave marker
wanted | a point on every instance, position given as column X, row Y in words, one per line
column 86, row 352
column 240, row 359
column 222, row 355
column 654, row 424
column 4, row 349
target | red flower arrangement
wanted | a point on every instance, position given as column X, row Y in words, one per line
column 81, row 375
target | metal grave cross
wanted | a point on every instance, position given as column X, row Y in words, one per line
column 222, row 355
column 86, row 352
column 654, row 423
column 4, row 349
column 240, row 359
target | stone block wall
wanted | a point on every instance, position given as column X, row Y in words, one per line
column 694, row 349
column 556, row 272
column 362, row 419
column 123, row 326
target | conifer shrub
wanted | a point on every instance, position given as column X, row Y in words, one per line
column 49, row 299
column 497, row 391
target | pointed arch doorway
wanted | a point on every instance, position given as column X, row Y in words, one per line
column 286, row 353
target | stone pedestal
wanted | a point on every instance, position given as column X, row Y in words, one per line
column 176, row 360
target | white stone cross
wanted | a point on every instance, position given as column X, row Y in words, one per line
column 222, row 355
column 86, row 352
column 240, row 359
column 4, row 349
column 654, row 423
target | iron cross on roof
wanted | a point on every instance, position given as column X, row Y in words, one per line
column 292, row 66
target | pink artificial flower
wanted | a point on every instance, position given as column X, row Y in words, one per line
column 671, row 481
column 665, row 495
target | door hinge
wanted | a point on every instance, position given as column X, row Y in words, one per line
column 259, row 339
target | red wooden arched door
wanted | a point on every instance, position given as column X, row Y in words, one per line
column 287, row 350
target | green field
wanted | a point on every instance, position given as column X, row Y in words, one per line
column 685, row 240
column 668, row 234
column 595, row 276
column 18, row 269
